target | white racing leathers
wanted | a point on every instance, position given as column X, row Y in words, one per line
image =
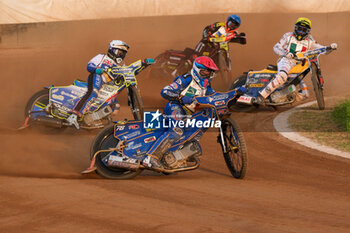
column 288, row 44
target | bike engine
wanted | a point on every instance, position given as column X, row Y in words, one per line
column 101, row 113
column 179, row 157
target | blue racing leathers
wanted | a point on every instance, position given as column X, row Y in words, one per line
column 95, row 82
column 183, row 85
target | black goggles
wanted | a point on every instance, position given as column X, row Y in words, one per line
column 302, row 29
column 206, row 73
column 119, row 53
column 232, row 25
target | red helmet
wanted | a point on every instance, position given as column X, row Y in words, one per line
column 203, row 70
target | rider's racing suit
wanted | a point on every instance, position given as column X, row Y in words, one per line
column 95, row 82
column 288, row 44
column 217, row 29
column 183, row 85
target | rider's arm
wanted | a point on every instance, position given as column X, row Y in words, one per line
column 314, row 44
column 281, row 47
column 209, row 30
column 172, row 91
column 210, row 90
column 239, row 38
column 94, row 62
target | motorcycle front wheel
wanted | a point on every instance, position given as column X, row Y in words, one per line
column 236, row 151
column 105, row 140
column 135, row 102
column 317, row 87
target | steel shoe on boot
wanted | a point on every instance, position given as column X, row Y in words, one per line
column 73, row 120
column 258, row 100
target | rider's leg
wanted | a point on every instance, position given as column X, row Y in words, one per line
column 91, row 94
column 280, row 78
column 174, row 111
column 161, row 146
column 303, row 92
column 94, row 84
column 284, row 66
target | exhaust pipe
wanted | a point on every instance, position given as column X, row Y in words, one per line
column 124, row 165
column 48, row 121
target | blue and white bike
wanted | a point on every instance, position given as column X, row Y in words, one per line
column 51, row 106
column 118, row 151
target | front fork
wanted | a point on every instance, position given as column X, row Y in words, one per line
column 221, row 140
column 319, row 74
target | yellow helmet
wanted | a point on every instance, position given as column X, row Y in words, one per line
column 302, row 28
column 304, row 22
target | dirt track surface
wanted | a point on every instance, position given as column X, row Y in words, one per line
column 288, row 188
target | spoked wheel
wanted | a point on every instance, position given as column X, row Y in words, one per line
column 37, row 105
column 317, row 87
column 236, row 151
column 105, row 140
column 38, row 101
column 239, row 107
column 135, row 102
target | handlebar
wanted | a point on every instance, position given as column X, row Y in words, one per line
column 312, row 53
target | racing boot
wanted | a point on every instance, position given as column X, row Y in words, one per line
column 73, row 119
column 275, row 83
column 258, row 100
column 159, row 148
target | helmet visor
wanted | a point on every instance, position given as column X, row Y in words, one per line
column 301, row 30
column 119, row 53
column 206, row 74
column 232, row 25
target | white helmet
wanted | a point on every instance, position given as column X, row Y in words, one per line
column 117, row 50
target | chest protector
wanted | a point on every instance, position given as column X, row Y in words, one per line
column 193, row 89
column 106, row 61
column 296, row 46
column 220, row 32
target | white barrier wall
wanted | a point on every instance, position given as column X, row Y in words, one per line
column 29, row 11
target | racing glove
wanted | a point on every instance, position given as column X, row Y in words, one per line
column 98, row 71
column 334, row 46
column 289, row 55
column 241, row 90
column 240, row 38
column 148, row 61
column 186, row 100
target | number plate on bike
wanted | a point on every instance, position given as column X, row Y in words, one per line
column 245, row 99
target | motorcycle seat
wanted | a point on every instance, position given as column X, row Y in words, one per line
column 80, row 83
column 271, row 67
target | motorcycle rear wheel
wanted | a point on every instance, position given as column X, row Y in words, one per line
column 135, row 102
column 106, row 140
column 317, row 87
column 236, row 155
column 40, row 98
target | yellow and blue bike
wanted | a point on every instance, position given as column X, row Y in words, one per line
column 255, row 81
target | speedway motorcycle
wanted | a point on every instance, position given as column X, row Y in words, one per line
column 52, row 106
column 255, row 81
column 177, row 62
column 117, row 152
